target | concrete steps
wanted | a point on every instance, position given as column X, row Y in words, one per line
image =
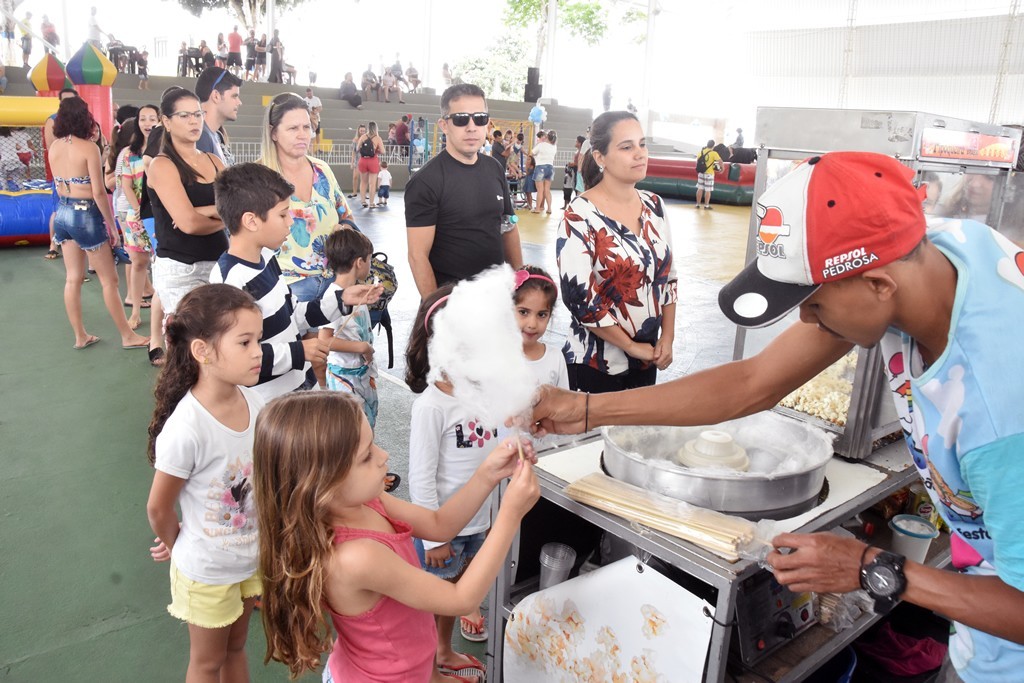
column 339, row 121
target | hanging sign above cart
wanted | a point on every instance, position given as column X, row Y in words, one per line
column 940, row 143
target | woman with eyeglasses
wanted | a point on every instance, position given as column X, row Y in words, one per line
column 615, row 260
column 317, row 205
column 369, row 146
column 83, row 223
column 190, row 235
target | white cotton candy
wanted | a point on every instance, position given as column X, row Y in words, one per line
column 477, row 346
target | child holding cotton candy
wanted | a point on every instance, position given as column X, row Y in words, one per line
column 534, row 299
column 465, row 358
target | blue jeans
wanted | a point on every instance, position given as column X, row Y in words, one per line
column 80, row 221
column 310, row 287
column 465, row 549
column 543, row 172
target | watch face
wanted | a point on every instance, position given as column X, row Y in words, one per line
column 881, row 580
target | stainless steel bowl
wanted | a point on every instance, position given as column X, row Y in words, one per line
column 648, row 462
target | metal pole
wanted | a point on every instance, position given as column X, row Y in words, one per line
column 428, row 70
column 271, row 17
column 67, row 36
column 552, row 25
column 645, row 100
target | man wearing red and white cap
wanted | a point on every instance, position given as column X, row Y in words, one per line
column 843, row 237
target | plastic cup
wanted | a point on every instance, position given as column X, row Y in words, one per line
column 556, row 561
column 911, row 536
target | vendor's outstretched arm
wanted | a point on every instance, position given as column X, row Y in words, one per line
column 707, row 397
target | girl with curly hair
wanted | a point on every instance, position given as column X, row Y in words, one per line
column 200, row 444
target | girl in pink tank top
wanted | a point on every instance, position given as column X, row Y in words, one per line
column 335, row 548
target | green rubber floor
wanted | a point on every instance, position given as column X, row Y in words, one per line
column 80, row 597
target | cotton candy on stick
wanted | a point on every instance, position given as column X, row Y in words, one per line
column 477, row 347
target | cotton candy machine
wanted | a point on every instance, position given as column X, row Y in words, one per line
column 762, row 466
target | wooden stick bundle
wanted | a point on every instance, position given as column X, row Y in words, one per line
column 719, row 533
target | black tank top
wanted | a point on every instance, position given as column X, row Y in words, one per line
column 174, row 244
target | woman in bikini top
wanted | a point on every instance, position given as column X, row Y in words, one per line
column 83, row 222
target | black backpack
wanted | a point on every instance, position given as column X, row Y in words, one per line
column 702, row 162
column 384, row 272
column 367, row 148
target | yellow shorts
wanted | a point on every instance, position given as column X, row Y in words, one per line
column 206, row 606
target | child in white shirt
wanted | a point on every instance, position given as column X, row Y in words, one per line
column 446, row 445
column 350, row 364
column 534, row 299
column 201, row 441
column 383, row 186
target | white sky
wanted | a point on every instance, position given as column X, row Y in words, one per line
column 332, row 34
column 458, row 28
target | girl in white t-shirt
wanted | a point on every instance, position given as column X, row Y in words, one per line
column 446, row 445
column 200, row 442
column 534, row 299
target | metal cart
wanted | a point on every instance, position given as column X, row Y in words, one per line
column 725, row 583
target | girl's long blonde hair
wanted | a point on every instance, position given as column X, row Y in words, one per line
column 304, row 446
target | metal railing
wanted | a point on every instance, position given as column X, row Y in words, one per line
column 340, row 154
column 337, row 154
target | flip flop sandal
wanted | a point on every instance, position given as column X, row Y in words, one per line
column 88, row 342
column 51, row 255
column 156, row 357
column 396, row 480
column 464, row 679
column 472, row 678
column 480, row 626
column 474, row 668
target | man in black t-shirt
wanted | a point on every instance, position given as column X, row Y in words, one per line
column 498, row 149
column 454, row 205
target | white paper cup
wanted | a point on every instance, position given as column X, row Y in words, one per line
column 911, row 536
column 556, row 561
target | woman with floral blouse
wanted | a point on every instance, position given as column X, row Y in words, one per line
column 615, row 261
column 318, row 205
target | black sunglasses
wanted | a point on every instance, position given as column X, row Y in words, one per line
column 461, row 120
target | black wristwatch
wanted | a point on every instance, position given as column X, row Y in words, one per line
column 883, row 579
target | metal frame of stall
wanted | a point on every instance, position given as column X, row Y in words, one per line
column 721, row 575
column 927, row 143
column 924, row 142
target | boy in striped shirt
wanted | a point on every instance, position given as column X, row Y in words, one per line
column 252, row 200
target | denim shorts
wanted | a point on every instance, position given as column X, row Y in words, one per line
column 310, row 287
column 80, row 221
column 172, row 280
column 465, row 549
column 544, row 172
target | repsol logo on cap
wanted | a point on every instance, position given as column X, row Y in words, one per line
column 770, row 227
column 849, row 261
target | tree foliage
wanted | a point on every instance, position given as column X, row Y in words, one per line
column 586, row 20
column 501, row 72
column 250, row 13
